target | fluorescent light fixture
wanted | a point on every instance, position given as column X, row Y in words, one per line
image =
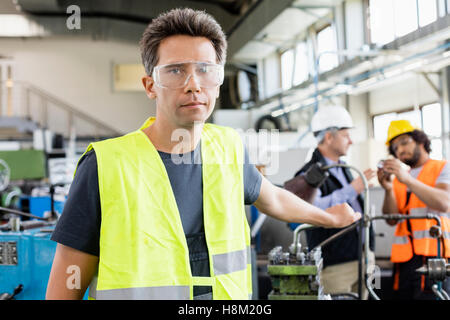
column 392, row 73
column 16, row 25
column 367, row 82
column 414, row 65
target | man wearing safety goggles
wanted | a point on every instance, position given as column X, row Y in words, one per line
column 157, row 229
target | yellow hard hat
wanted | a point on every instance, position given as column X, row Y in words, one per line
column 398, row 127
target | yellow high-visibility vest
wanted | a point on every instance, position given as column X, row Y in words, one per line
column 143, row 248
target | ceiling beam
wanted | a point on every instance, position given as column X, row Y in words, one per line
column 255, row 19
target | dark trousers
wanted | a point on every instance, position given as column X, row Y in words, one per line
column 411, row 284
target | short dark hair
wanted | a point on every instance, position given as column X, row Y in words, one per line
column 180, row 21
column 419, row 137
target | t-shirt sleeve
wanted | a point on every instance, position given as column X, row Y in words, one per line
column 79, row 224
column 252, row 181
column 444, row 177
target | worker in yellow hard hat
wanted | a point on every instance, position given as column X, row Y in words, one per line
column 425, row 188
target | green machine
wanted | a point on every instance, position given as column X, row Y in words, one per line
column 17, row 166
column 295, row 275
column 25, row 164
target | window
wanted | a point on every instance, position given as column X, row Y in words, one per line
column 381, row 125
column 432, row 119
column 405, row 16
column 301, row 63
column 442, row 8
column 390, row 19
column 381, row 17
column 326, row 43
column 287, row 64
column 427, row 12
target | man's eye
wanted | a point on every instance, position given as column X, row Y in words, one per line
column 174, row 70
column 203, row 69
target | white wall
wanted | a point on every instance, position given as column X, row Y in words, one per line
column 359, row 110
column 79, row 71
column 408, row 92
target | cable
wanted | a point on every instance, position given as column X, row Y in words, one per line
column 336, row 235
column 24, row 214
column 445, row 294
column 369, row 288
column 434, row 287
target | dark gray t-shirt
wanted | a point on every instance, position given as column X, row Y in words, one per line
column 79, row 224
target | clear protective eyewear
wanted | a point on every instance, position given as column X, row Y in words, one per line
column 177, row 75
column 403, row 142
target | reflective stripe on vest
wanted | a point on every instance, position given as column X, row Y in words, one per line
column 231, row 261
column 423, row 243
column 147, row 293
column 143, row 249
column 401, row 240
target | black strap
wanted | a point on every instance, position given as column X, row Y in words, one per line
column 408, row 196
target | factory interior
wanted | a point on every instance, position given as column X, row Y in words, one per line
column 71, row 75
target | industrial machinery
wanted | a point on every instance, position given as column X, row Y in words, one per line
column 26, row 256
column 29, row 209
column 295, row 275
column 436, row 269
column 293, row 272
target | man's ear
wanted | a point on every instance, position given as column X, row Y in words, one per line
column 328, row 137
column 149, row 86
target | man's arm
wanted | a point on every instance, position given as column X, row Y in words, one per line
column 389, row 203
column 284, row 205
column 69, row 264
column 436, row 198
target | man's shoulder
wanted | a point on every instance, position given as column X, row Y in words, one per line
column 219, row 128
column 221, row 133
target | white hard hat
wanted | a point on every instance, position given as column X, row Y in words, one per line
column 328, row 117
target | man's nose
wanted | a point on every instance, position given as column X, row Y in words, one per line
column 192, row 84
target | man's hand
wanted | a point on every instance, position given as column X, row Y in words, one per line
column 283, row 205
column 358, row 183
column 343, row 215
column 385, row 179
column 394, row 166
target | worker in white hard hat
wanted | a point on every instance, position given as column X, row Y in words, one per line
column 331, row 126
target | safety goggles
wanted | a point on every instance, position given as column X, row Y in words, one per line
column 177, row 75
column 403, row 142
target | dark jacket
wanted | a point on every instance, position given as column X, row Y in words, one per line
column 345, row 248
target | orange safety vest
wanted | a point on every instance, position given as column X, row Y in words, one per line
column 422, row 242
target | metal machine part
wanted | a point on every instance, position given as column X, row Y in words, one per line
column 306, row 189
column 436, row 269
column 295, row 276
column 7, row 296
column 5, row 174
column 8, row 253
